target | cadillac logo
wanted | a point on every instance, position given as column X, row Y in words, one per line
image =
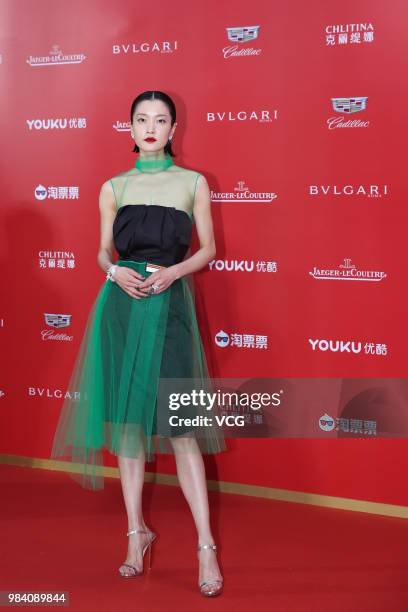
column 57, row 320
column 243, row 34
column 349, row 105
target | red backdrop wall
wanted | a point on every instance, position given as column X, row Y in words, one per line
column 295, row 112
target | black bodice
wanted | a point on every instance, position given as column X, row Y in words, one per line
column 155, row 233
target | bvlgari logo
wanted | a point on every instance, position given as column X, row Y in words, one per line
column 122, row 126
column 55, row 57
column 263, row 116
column 347, row 271
column 53, row 393
column 164, row 46
column 368, row 191
column 347, row 106
column 242, row 34
column 242, row 193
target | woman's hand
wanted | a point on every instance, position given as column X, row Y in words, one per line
column 129, row 280
column 161, row 279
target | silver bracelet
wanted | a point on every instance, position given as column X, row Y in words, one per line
column 111, row 272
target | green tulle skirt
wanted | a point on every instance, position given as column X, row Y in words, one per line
column 129, row 346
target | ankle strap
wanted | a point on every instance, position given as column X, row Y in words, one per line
column 200, row 546
column 137, row 531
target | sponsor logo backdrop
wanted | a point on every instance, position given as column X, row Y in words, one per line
column 295, row 114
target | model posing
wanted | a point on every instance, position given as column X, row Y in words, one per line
column 143, row 328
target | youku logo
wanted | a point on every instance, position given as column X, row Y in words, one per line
column 242, row 193
column 243, row 265
column 348, row 346
column 56, row 57
column 56, row 124
column 122, row 126
column 348, row 272
column 348, row 106
column 242, row 34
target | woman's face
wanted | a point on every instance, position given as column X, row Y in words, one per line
column 151, row 119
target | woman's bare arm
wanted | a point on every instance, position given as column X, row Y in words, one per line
column 205, row 232
column 125, row 277
column 107, row 209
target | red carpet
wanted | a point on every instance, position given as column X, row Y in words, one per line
column 274, row 555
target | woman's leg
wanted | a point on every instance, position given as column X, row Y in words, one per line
column 191, row 475
column 132, row 478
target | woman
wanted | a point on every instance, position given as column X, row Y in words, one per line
column 141, row 332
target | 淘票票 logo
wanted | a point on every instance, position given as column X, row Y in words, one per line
column 69, row 192
column 241, row 340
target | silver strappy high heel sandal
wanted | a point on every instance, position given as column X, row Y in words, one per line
column 216, row 584
column 135, row 571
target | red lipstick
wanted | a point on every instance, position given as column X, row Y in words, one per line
column 150, row 139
